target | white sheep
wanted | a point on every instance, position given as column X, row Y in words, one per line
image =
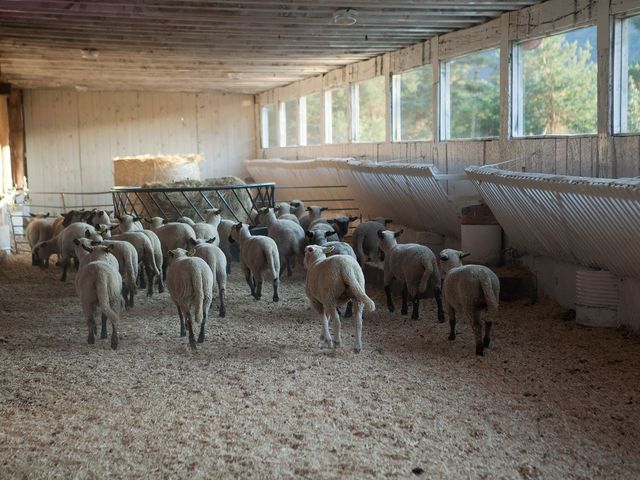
column 66, row 245
column 99, row 285
column 285, row 216
column 190, row 284
column 146, row 254
column 99, row 217
column 314, row 212
column 209, row 228
column 282, row 208
column 224, row 231
column 331, row 282
column 186, row 220
column 365, row 240
column 129, row 223
column 39, row 229
column 340, row 224
column 214, row 256
column 469, row 289
column 43, row 250
column 258, row 256
column 127, row 257
column 320, row 230
column 289, row 237
column 415, row 267
column 297, row 208
column 172, row 235
column 86, row 252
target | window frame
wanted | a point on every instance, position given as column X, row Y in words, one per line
column 444, row 98
column 516, row 84
column 620, row 75
column 328, row 115
column 396, row 105
column 355, row 111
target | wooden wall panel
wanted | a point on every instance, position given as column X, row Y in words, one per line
column 72, row 136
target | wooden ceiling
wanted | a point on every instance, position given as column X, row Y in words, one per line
column 238, row 46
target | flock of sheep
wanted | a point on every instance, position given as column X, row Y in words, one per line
column 115, row 259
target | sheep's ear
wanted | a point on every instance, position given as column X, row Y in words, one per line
column 309, row 234
column 397, row 234
column 95, row 242
column 136, row 219
column 353, row 219
column 109, row 212
column 165, row 221
column 387, row 221
column 87, row 233
column 464, row 254
column 308, row 209
column 171, row 253
column 329, row 233
column 191, row 241
column 324, row 209
column 88, row 249
column 380, row 234
column 191, row 253
column 76, row 241
column 109, row 248
column 328, row 250
column 444, row 257
column 218, row 211
column 231, row 240
column 211, row 240
column 113, row 227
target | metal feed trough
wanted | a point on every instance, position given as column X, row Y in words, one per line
column 236, row 201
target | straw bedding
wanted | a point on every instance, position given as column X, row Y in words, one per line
column 262, row 398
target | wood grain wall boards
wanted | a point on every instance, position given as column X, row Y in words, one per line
column 72, row 136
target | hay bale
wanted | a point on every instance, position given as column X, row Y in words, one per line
column 137, row 170
column 168, row 202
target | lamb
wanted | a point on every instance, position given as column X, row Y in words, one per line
column 469, row 289
column 365, row 239
column 99, row 217
column 297, row 208
column 330, row 283
column 209, row 228
column 98, row 284
column 43, row 250
column 84, row 249
column 314, row 213
column 66, row 245
column 146, row 255
column 186, row 220
column 258, row 255
column 282, row 208
column 224, row 231
column 321, row 230
column 190, row 283
column 285, row 216
column 40, row 229
column 127, row 257
column 129, row 223
column 172, row 235
column 206, row 250
column 341, row 224
column 415, row 267
column 289, row 237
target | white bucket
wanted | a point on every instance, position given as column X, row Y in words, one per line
column 597, row 297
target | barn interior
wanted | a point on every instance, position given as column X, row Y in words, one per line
column 508, row 129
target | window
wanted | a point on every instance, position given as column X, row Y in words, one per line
column 411, row 105
column 310, row 120
column 336, row 115
column 289, row 117
column 471, row 96
column 626, row 90
column 269, row 126
column 555, row 84
column 369, row 103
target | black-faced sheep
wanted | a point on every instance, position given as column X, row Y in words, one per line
column 331, row 282
column 469, row 289
column 415, row 267
column 190, row 284
column 258, row 256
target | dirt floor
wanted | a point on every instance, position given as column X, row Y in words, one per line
column 263, row 398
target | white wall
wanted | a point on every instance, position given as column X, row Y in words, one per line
column 71, row 137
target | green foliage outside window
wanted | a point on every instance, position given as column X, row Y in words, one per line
column 474, row 84
column 371, row 110
column 560, row 84
column 633, row 82
column 313, row 119
column 339, row 115
column 291, row 118
column 415, row 104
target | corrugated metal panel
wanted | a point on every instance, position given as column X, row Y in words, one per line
column 588, row 221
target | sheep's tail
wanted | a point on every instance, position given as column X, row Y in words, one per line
column 430, row 270
column 359, row 248
column 150, row 254
column 357, row 289
column 273, row 261
column 490, row 296
column 131, row 275
column 105, row 296
column 199, row 295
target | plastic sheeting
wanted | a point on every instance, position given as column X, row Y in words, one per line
column 413, row 195
column 587, row 221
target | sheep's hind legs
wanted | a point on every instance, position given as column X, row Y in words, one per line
column 325, row 330
column 487, row 332
column 337, row 327
column 387, row 290
column 114, row 337
column 91, row 339
column 183, row 330
column 437, row 293
column 192, row 338
column 358, row 314
column 452, row 323
column 276, row 283
column 415, row 314
column 477, row 332
column 103, row 331
column 349, row 310
column 204, row 319
column 405, row 293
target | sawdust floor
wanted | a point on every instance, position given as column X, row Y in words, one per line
column 262, row 398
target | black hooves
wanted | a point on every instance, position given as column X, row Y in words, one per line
column 391, row 308
column 222, row 312
column 114, row 342
column 452, row 336
column 486, row 342
column 91, row 339
column 276, row 298
column 183, row 334
column 480, row 350
column 103, row 335
column 404, row 311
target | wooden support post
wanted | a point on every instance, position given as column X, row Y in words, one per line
column 16, row 138
column 5, row 152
